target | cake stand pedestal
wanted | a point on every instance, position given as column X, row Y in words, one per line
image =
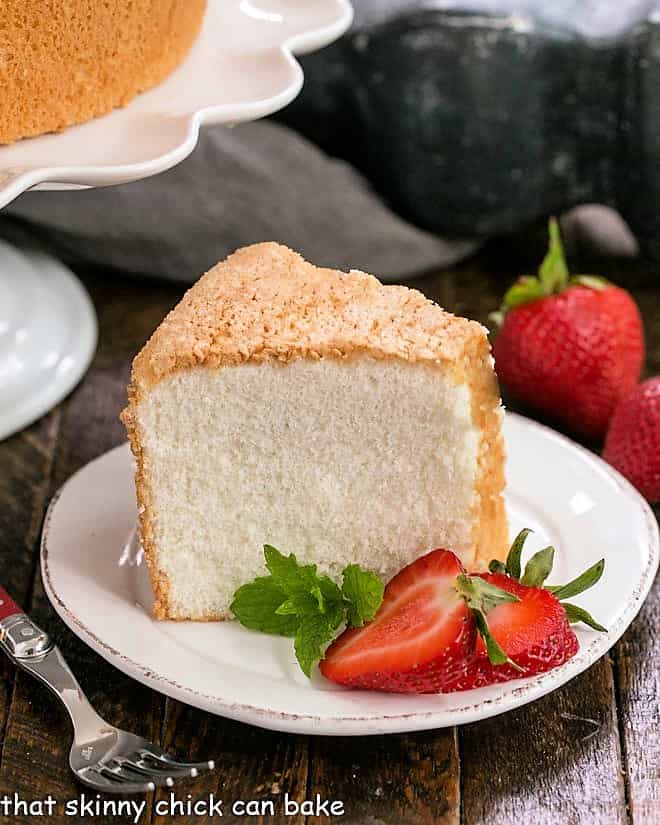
column 241, row 67
column 47, row 335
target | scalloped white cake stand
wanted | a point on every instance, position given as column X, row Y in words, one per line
column 241, row 67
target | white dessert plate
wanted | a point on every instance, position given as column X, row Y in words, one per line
column 95, row 578
column 241, row 67
column 47, row 335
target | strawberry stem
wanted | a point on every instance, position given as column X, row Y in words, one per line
column 576, row 614
column 537, row 570
column 539, row 567
column 481, row 597
column 551, row 279
column 553, row 272
column 496, row 656
column 583, row 582
column 512, row 567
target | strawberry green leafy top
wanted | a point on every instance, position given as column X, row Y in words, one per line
column 552, row 278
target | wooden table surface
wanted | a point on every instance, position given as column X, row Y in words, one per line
column 588, row 753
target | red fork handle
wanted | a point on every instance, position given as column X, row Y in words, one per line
column 8, row 606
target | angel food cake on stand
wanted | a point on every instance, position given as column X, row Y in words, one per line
column 315, row 410
column 67, row 61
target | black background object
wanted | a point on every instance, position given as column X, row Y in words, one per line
column 475, row 124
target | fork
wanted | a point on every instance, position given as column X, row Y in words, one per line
column 102, row 756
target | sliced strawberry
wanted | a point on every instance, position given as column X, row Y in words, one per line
column 422, row 631
column 533, row 632
column 441, row 630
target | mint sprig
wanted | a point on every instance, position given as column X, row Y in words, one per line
column 258, row 603
column 363, row 594
column 296, row 601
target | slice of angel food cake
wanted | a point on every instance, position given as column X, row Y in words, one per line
column 317, row 411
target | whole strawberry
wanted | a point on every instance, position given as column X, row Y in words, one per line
column 570, row 347
column 633, row 439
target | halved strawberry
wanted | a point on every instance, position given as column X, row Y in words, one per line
column 440, row 630
column 420, row 637
column 534, row 633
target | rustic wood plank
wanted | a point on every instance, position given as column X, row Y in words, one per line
column 556, row 760
column 403, row 779
column 251, row 765
column 638, row 686
column 637, row 655
column 26, row 462
column 38, row 736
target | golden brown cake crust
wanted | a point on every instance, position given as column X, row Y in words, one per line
column 491, row 526
column 66, row 61
column 266, row 302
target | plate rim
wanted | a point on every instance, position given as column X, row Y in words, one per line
column 516, row 695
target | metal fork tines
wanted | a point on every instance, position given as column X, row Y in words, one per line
column 132, row 764
column 102, row 756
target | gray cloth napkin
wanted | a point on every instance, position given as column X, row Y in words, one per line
column 256, row 182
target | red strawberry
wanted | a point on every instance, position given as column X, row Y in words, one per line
column 424, row 636
column 534, row 633
column 569, row 347
column 422, row 630
column 633, row 439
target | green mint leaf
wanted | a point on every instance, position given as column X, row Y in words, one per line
column 553, row 272
column 525, row 290
column 330, row 592
column 287, row 608
column 576, row 614
column 583, row 582
column 363, row 592
column 289, row 575
column 496, row 656
column 294, row 600
column 256, row 606
column 496, row 566
column 513, row 559
column 313, row 634
column 539, row 567
column 300, row 604
column 318, row 596
column 303, row 605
